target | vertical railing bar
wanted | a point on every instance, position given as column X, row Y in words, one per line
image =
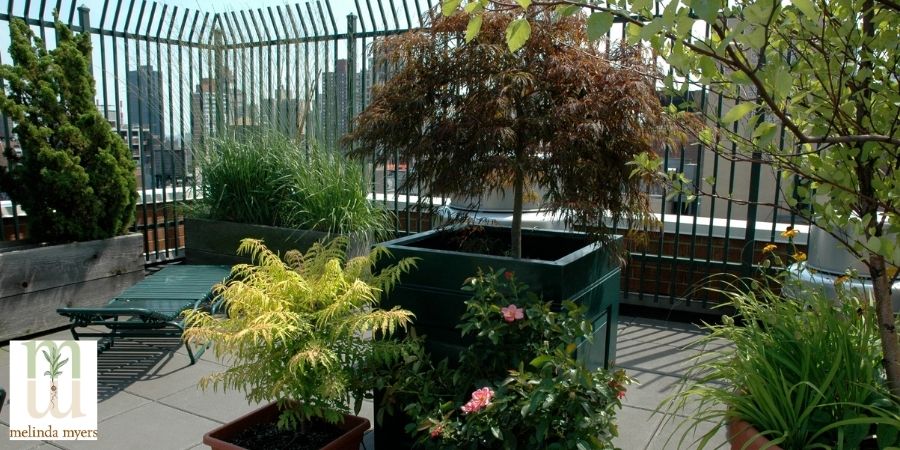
column 330, row 15
column 697, row 185
column 129, row 128
column 327, row 93
column 242, row 65
column 152, row 143
column 662, row 231
column 191, row 86
column 277, row 65
column 315, row 29
column 232, row 102
column 362, row 19
column 72, row 14
column 259, row 60
column 308, row 97
column 41, row 9
column 406, row 13
column 296, row 49
column 393, row 9
column 372, row 16
column 253, row 111
column 172, row 150
column 351, row 72
column 162, row 126
column 418, row 14
column 291, row 118
column 383, row 15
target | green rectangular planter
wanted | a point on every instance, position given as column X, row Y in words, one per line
column 576, row 269
column 216, row 241
column 584, row 273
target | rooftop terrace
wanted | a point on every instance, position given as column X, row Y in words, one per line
column 149, row 397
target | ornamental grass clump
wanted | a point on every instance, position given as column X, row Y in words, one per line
column 266, row 178
column 802, row 369
column 75, row 178
column 518, row 383
column 296, row 331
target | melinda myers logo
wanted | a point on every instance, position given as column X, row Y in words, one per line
column 53, row 390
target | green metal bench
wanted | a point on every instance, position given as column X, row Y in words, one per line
column 151, row 308
column 2, row 398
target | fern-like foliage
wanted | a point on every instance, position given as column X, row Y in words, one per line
column 296, row 330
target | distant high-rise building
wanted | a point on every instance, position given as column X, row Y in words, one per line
column 282, row 113
column 145, row 99
column 217, row 103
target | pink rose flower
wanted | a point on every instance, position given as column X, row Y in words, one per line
column 437, row 431
column 512, row 313
column 480, row 399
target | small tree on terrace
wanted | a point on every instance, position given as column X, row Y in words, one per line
column 75, row 179
column 825, row 73
column 560, row 113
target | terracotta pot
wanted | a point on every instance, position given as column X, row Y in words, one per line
column 354, row 427
column 744, row 436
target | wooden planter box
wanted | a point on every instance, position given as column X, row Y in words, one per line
column 216, row 241
column 37, row 279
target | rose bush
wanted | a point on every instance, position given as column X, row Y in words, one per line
column 518, row 383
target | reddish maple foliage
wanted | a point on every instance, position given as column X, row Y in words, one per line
column 561, row 112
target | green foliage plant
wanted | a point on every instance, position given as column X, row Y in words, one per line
column 803, row 370
column 559, row 114
column 297, row 330
column 75, row 178
column 266, row 178
column 819, row 76
column 516, row 385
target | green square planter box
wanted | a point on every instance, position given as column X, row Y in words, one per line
column 560, row 265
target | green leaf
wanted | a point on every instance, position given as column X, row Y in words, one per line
column 517, row 34
column 738, row 112
column 651, row 28
column 495, row 430
column 567, row 10
column 598, row 24
column 806, row 7
column 474, row 27
column 448, row 7
column 472, row 7
column 707, row 10
column 540, row 360
column 524, row 3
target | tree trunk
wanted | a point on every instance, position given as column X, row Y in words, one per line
column 518, row 194
column 886, row 329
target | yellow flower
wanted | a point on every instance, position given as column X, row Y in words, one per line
column 769, row 248
column 799, row 256
column 790, row 232
column 891, row 271
column 841, row 280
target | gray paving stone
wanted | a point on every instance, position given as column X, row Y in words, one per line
column 680, row 433
column 636, row 428
column 117, row 404
column 651, row 390
column 169, row 374
column 678, row 335
column 214, row 405
column 654, row 357
column 150, row 427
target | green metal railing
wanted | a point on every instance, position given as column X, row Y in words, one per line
column 169, row 78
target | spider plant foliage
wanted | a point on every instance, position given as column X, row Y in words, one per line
column 561, row 112
column 295, row 330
